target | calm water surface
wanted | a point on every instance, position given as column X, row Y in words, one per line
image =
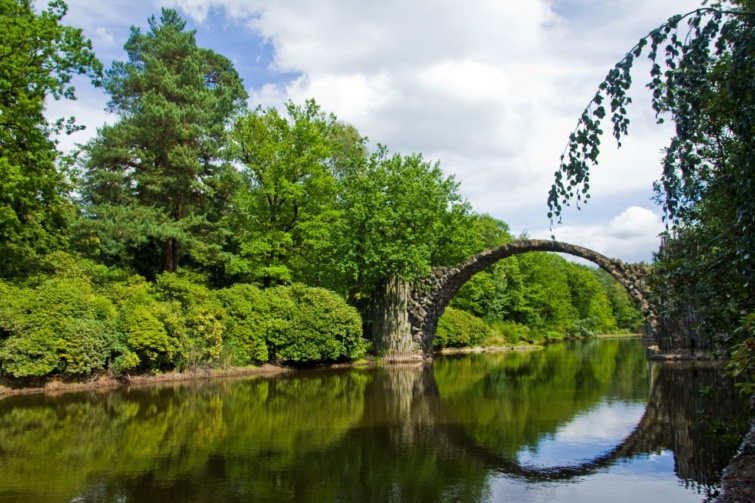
column 577, row 422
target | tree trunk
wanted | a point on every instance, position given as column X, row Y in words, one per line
column 391, row 331
column 170, row 255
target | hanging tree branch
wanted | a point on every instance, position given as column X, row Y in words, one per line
column 679, row 71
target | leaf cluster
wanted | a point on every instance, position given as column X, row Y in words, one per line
column 683, row 60
column 78, row 318
column 38, row 58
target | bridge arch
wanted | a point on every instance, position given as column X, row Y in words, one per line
column 429, row 296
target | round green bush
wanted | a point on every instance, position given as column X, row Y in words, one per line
column 312, row 324
column 457, row 329
column 246, row 321
column 60, row 325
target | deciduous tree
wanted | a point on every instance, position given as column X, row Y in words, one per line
column 399, row 216
column 283, row 216
column 38, row 58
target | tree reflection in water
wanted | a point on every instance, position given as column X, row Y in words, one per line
column 442, row 432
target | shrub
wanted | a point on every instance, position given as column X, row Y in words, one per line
column 85, row 345
column 312, row 324
column 65, row 322
column 147, row 336
column 125, row 362
column 553, row 335
column 458, row 328
column 200, row 329
column 31, row 354
column 60, row 324
column 586, row 327
column 246, row 321
column 512, row 331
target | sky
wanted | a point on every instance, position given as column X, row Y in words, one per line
column 489, row 88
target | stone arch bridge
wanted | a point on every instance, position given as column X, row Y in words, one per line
column 405, row 315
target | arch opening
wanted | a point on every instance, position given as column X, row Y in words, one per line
column 430, row 295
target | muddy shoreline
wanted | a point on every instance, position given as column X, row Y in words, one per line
column 57, row 385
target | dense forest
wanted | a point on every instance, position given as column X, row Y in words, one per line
column 195, row 231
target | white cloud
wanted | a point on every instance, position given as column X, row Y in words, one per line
column 631, row 235
column 105, row 37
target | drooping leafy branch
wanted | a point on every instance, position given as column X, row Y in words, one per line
column 680, row 73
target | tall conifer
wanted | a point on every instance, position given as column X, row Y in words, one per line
column 152, row 178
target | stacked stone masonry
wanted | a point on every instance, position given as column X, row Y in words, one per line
column 430, row 295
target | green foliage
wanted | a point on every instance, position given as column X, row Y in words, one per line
column 124, row 362
column 399, row 219
column 458, row 328
column 628, row 316
column 312, row 324
column 200, row 316
column 146, row 335
column 742, row 365
column 60, row 324
column 38, row 57
column 513, row 332
column 546, row 298
column 154, row 185
column 478, row 295
column 475, row 295
column 585, row 327
column 589, row 299
column 248, row 315
column 79, row 318
column 153, row 331
column 282, row 217
column 292, row 324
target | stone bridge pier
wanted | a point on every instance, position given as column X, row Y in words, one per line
column 405, row 316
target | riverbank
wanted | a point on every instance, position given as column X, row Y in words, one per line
column 619, row 336
column 55, row 385
column 487, row 349
column 738, row 482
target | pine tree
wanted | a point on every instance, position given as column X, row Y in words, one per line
column 155, row 179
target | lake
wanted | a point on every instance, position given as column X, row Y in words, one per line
column 577, row 422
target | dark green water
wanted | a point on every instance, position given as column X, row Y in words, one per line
column 588, row 421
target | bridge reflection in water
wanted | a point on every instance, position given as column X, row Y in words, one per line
column 459, row 429
column 688, row 412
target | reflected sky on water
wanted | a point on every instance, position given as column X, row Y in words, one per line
column 583, row 421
